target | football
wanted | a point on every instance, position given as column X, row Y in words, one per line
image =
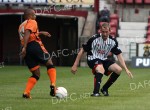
column 61, row 92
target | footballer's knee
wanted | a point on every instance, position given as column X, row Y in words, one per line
column 118, row 70
column 115, row 68
column 49, row 62
column 99, row 69
column 36, row 74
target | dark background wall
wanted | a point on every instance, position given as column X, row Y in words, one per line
column 1, row 43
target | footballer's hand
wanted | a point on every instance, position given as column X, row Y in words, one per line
column 46, row 34
column 23, row 52
column 74, row 69
column 129, row 73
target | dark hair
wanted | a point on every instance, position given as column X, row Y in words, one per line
column 28, row 12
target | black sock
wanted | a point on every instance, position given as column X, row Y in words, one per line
column 97, row 82
column 110, row 81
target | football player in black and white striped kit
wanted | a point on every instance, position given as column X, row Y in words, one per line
column 98, row 48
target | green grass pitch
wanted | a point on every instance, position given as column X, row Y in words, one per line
column 125, row 94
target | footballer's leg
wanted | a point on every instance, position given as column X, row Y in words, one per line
column 33, row 65
column 31, row 82
column 51, row 71
column 116, row 71
column 44, row 58
column 99, row 70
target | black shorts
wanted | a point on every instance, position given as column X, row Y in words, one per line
column 35, row 55
column 106, row 64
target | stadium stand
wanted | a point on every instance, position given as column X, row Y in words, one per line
column 147, row 1
column 148, row 31
column 149, row 19
column 130, row 33
column 148, row 36
column 114, row 16
column 148, row 26
column 129, row 1
column 120, row 1
column 132, row 1
column 113, row 31
column 114, row 23
column 138, row 1
column 148, row 39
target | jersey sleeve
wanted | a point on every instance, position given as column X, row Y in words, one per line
column 116, row 50
column 87, row 46
column 31, row 25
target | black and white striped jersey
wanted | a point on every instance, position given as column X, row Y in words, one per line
column 97, row 48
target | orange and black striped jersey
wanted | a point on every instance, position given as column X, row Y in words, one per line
column 33, row 27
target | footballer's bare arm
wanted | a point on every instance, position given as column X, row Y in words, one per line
column 44, row 33
column 75, row 65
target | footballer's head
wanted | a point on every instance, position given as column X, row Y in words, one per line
column 105, row 30
column 29, row 14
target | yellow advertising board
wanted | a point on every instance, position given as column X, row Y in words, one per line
column 72, row 2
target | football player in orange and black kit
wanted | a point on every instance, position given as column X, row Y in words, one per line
column 33, row 51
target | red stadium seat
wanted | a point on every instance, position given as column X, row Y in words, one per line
column 113, row 24
column 113, row 34
column 114, row 16
column 149, row 19
column 148, row 26
column 148, row 37
column 148, row 33
column 129, row 1
column 120, row 1
column 147, row 1
column 138, row 1
column 113, row 31
column 115, row 21
column 147, row 40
